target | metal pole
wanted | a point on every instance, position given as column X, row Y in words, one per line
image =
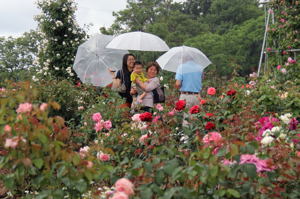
column 264, row 41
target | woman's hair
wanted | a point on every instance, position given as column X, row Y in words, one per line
column 124, row 65
column 155, row 64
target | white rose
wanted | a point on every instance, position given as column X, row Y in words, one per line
column 267, row 133
column 267, row 140
column 282, row 136
column 276, row 129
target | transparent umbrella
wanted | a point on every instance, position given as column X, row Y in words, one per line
column 140, row 41
column 93, row 60
column 183, row 59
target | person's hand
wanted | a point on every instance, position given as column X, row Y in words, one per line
column 112, row 72
column 133, row 91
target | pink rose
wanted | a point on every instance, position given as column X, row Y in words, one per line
column 80, row 108
column 143, row 138
column 107, row 124
column 89, row 164
column 212, row 137
column 83, row 151
column 211, row 91
column 97, row 117
column 228, row 162
column 25, row 107
column 171, row 113
column 43, row 106
column 125, row 186
column 278, row 67
column 103, row 157
column 11, row 143
column 136, row 118
column 7, row 128
column 155, row 119
column 98, row 126
column 159, row 107
column 119, row 195
column 283, row 70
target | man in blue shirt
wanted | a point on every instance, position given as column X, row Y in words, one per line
column 189, row 82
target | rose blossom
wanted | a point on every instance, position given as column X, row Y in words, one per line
column 180, row 105
column 211, row 91
column 283, row 70
column 146, row 117
column 278, row 67
column 212, row 137
column 202, row 101
column 89, row 164
column 194, row 109
column 261, row 165
column 97, row 117
column 11, row 143
column 43, row 106
column 125, row 186
column 83, row 151
column 119, row 195
column 143, row 138
column 231, row 92
column 99, row 126
column 136, row 118
column 171, row 113
column 209, row 126
column 107, row 124
column 159, row 107
column 103, row 156
column 25, row 107
column 7, row 128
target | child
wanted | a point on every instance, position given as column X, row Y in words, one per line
column 137, row 74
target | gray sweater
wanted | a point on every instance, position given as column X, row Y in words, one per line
column 152, row 84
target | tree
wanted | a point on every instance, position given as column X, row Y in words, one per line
column 223, row 14
column 61, row 38
column 18, row 54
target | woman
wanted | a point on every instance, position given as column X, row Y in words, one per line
column 152, row 70
column 124, row 75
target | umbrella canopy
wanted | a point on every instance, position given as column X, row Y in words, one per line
column 93, row 60
column 182, row 58
column 140, row 41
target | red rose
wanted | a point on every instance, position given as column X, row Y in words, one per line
column 195, row 109
column 231, row 92
column 209, row 126
column 146, row 117
column 202, row 101
column 209, row 114
column 180, row 105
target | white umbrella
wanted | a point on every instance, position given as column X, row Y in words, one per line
column 180, row 59
column 140, row 41
column 93, row 60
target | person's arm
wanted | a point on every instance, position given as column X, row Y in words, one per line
column 178, row 84
column 149, row 86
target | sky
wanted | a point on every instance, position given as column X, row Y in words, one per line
column 16, row 16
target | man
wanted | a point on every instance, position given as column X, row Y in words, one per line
column 189, row 82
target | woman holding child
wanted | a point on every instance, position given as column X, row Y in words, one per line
column 152, row 83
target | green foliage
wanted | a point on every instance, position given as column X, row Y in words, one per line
column 17, row 55
column 42, row 163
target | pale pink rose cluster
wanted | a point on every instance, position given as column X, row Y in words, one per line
column 261, row 165
column 136, row 117
column 100, row 124
column 24, row 108
column 84, row 151
column 124, row 188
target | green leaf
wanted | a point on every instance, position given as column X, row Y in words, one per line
column 81, row 186
column 146, row 193
column 38, row 162
column 233, row 193
column 43, row 138
column 250, row 169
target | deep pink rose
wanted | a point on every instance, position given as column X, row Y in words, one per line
column 211, row 91
column 97, row 117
